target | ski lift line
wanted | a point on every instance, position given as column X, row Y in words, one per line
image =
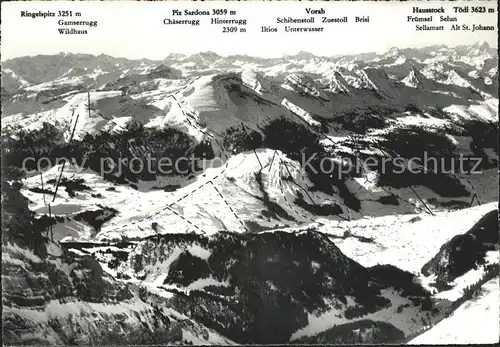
column 455, row 174
column 473, row 190
column 403, row 199
column 395, row 195
column 361, row 187
column 51, row 232
column 410, row 186
column 168, row 207
column 294, row 209
column 185, row 87
column 70, row 121
column 59, row 181
column 43, row 191
column 281, row 188
column 64, row 163
column 472, row 200
column 391, row 193
column 74, row 128
column 254, row 152
column 105, row 117
column 298, row 185
column 183, row 197
column 186, row 220
column 348, row 210
column 422, row 201
column 272, row 160
column 229, row 206
column 245, row 191
column 211, row 136
column 347, row 207
column 427, row 209
column 290, row 205
column 192, row 192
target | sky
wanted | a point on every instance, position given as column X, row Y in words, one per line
column 135, row 29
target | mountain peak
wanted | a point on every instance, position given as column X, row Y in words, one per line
column 302, row 55
column 203, row 57
column 339, row 84
column 413, row 79
column 209, row 54
column 483, row 45
column 393, row 51
column 174, row 56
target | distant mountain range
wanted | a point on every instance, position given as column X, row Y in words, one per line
column 264, row 233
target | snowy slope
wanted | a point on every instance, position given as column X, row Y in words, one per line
column 192, row 247
column 406, row 241
column 222, row 198
column 474, row 322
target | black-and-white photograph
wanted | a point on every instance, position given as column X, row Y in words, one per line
column 237, row 173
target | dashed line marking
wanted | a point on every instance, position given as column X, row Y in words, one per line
column 190, row 193
column 186, row 220
column 229, row 206
column 272, row 161
column 284, row 197
column 188, row 116
column 254, row 152
column 426, row 209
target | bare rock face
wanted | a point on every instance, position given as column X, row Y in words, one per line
column 17, row 222
column 205, row 334
column 70, row 300
column 65, row 298
column 272, row 281
column 175, row 332
column 162, row 71
column 464, row 252
column 257, row 287
column 362, row 332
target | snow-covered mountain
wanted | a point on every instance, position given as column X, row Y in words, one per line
column 268, row 229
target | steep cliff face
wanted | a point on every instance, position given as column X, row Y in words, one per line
column 285, row 267
column 68, row 299
column 53, row 296
column 256, row 288
column 17, row 221
column 363, row 331
column 466, row 252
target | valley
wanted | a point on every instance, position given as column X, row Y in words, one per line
column 207, row 199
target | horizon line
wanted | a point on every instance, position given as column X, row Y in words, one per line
column 283, row 55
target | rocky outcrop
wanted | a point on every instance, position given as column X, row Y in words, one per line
column 17, row 222
column 97, row 218
column 464, row 252
column 52, row 296
column 364, row 331
column 257, row 288
column 305, row 85
column 162, row 71
column 69, row 300
column 338, row 84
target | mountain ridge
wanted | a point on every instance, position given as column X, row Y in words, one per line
column 272, row 213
